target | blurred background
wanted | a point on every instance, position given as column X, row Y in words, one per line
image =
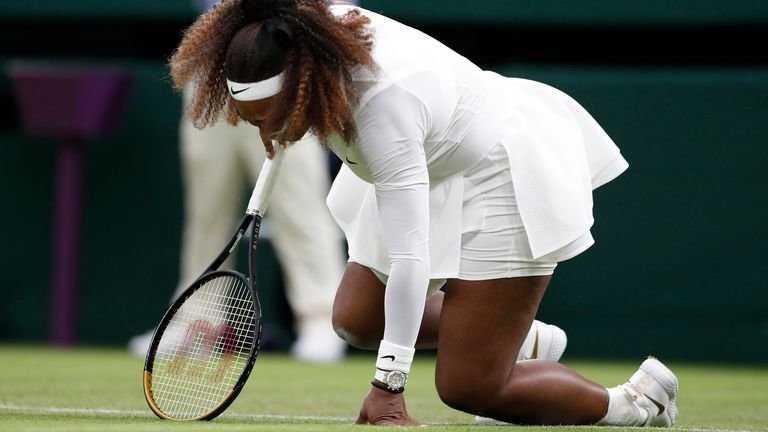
column 679, row 268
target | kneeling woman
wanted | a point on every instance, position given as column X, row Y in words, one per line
column 452, row 174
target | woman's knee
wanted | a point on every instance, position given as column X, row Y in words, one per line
column 358, row 309
column 355, row 329
column 487, row 396
column 467, row 394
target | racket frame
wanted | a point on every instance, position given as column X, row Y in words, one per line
column 211, row 273
column 253, row 216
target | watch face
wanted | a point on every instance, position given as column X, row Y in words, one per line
column 396, row 379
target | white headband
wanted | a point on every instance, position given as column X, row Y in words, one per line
column 256, row 90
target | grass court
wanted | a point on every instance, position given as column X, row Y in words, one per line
column 100, row 389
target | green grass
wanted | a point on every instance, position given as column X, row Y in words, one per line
column 98, row 389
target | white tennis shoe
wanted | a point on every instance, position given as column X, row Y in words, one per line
column 654, row 388
column 544, row 342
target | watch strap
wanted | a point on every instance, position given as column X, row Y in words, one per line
column 378, row 384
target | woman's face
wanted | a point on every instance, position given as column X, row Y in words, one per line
column 256, row 112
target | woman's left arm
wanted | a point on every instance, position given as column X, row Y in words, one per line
column 392, row 128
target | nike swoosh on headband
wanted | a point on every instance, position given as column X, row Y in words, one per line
column 256, row 90
column 234, row 92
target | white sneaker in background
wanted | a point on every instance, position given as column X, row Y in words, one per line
column 139, row 345
column 660, row 386
column 316, row 342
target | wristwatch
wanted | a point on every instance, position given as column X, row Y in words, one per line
column 391, row 381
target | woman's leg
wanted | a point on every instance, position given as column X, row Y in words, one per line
column 358, row 310
column 358, row 317
column 483, row 325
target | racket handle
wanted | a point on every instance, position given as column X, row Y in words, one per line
column 266, row 182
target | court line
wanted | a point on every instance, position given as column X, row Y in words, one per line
column 145, row 413
column 281, row 417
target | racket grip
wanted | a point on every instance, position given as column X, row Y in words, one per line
column 266, row 182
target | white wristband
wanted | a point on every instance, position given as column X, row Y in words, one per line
column 394, row 357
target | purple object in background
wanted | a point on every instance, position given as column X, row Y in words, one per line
column 76, row 102
column 70, row 103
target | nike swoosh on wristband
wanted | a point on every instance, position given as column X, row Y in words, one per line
column 391, row 357
column 349, row 161
column 234, row 92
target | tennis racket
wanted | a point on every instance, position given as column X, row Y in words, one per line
column 204, row 348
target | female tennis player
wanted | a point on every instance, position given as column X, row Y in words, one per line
column 452, row 175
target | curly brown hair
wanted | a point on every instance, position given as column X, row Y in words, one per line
column 251, row 40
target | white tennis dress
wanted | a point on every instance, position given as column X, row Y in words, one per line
column 426, row 119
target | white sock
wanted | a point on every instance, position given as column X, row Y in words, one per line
column 622, row 410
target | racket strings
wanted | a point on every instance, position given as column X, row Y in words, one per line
column 204, row 349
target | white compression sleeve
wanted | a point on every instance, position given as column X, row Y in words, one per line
column 391, row 131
